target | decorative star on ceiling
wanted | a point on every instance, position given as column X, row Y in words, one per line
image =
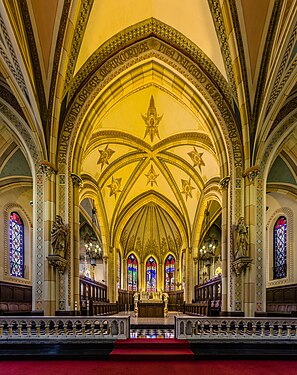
column 152, row 121
column 187, row 188
column 105, row 156
column 115, row 186
column 151, row 176
column 197, row 158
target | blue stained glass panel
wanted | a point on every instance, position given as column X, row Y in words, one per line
column 16, row 241
column 132, row 272
column 151, row 275
column 280, row 248
column 169, row 273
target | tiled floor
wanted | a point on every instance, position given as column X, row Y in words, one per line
column 152, row 327
column 166, row 333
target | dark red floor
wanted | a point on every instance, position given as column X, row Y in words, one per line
column 244, row 367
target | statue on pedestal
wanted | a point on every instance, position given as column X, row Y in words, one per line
column 241, row 239
column 59, row 237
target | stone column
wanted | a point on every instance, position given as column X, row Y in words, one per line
column 105, row 272
column 50, row 285
column 224, row 183
column 249, row 274
column 74, row 249
column 125, row 274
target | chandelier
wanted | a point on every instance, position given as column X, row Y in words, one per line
column 93, row 250
column 208, row 249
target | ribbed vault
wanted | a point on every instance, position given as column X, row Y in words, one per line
column 151, row 231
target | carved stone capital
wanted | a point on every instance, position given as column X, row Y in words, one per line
column 47, row 168
column 224, row 183
column 241, row 264
column 251, row 173
column 77, row 181
column 58, row 262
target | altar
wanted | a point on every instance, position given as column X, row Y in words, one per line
column 151, row 304
column 151, row 309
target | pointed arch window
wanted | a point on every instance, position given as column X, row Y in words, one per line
column 132, row 272
column 151, row 275
column 16, row 245
column 280, row 248
column 169, row 273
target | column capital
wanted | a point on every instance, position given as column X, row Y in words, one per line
column 47, row 168
column 77, row 181
column 224, row 183
column 251, row 173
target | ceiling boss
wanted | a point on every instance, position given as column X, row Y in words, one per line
column 151, row 176
column 115, row 186
column 152, row 121
column 197, row 158
column 105, row 156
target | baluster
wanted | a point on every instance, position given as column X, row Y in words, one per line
column 47, row 329
column 29, row 330
column 56, row 330
column 1, row 329
column 270, row 330
column 254, row 330
column 263, row 330
column 289, row 331
column 10, row 330
column 219, row 329
column 210, row 329
column 280, row 330
column 93, row 329
column 20, row 329
column 83, row 329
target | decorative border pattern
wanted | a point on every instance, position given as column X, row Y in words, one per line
column 260, row 89
column 12, row 63
column 259, row 210
column 278, row 87
column 37, row 256
column 81, row 24
column 215, row 9
column 172, row 57
column 144, row 30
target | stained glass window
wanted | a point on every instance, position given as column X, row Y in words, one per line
column 16, row 241
column 132, row 272
column 280, row 248
column 169, row 273
column 151, row 275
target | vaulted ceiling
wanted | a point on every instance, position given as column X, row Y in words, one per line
column 149, row 135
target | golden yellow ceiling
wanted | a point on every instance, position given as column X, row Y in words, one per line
column 158, row 126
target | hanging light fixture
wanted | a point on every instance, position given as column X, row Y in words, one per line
column 93, row 248
column 208, row 249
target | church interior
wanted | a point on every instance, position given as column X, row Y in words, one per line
column 148, row 159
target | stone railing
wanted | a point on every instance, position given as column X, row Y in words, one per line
column 58, row 328
column 201, row 328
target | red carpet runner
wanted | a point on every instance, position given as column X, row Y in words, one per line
column 150, row 349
